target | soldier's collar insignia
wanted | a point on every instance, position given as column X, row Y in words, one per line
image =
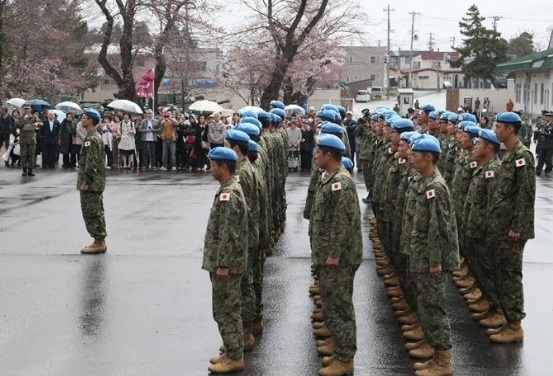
column 224, row 197
column 473, row 164
column 520, row 162
column 430, row 194
column 87, row 143
column 336, row 186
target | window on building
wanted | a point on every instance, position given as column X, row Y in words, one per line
column 374, row 77
column 518, row 90
column 375, row 59
column 347, row 79
column 416, row 65
column 542, row 90
column 535, row 93
column 424, row 77
column 436, row 64
column 350, row 59
column 356, row 78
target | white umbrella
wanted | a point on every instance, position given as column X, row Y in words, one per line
column 60, row 115
column 69, row 107
column 16, row 102
column 294, row 109
column 205, row 106
column 126, row 105
column 227, row 112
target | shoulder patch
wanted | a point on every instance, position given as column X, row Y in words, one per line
column 336, row 186
column 489, row 174
column 237, row 178
column 87, row 143
column 520, row 162
column 401, row 161
column 224, row 197
column 473, row 164
column 430, row 194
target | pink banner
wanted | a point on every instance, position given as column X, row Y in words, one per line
column 145, row 86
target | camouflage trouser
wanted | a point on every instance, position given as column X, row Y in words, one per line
column 28, row 155
column 482, row 266
column 431, row 310
column 92, row 207
column 366, row 172
column 257, row 269
column 336, row 293
column 227, row 313
column 387, row 239
column 247, row 292
column 407, row 279
column 545, row 156
column 508, row 277
column 283, row 204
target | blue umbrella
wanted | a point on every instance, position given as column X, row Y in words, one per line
column 38, row 103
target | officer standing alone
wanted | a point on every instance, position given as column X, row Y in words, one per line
column 91, row 182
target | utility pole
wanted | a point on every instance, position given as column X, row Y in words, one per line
column 494, row 22
column 452, row 40
column 388, row 53
column 413, row 14
column 431, row 42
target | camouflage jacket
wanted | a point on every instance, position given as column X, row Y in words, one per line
column 476, row 214
column 434, row 236
column 380, row 169
column 513, row 199
column 226, row 237
column 411, row 193
column 464, row 171
column 393, row 178
column 450, row 157
column 336, row 220
column 92, row 170
column 246, row 177
column 27, row 128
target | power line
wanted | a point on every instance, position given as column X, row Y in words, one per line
column 431, row 42
column 387, row 72
column 413, row 14
column 494, row 22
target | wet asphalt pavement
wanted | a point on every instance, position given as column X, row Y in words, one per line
column 144, row 308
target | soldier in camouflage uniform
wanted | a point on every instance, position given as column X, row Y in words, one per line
column 337, row 251
column 226, row 258
column 545, row 150
column 238, row 141
column 27, row 125
column 525, row 132
column 364, row 133
column 433, row 251
column 475, row 218
column 511, row 213
column 91, row 182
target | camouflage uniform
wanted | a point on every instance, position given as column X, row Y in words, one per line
column 27, row 139
column 226, row 246
column 390, row 197
column 366, row 136
column 245, row 176
column 92, row 172
column 336, row 231
column 433, row 242
column 525, row 134
column 449, row 159
column 545, row 150
column 476, row 215
column 512, row 208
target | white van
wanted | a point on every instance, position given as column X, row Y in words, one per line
column 363, row 96
column 376, row 93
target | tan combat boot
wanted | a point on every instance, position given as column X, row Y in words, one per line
column 318, row 315
column 394, row 292
column 512, row 332
column 478, row 316
column 466, row 281
column 318, row 325
column 439, row 366
column 337, row 368
column 424, row 351
column 249, row 340
column 494, row 320
column 415, row 335
column 392, row 281
column 474, row 294
column 99, row 246
column 323, row 332
column 480, row 306
column 414, row 345
column 402, row 305
column 227, row 365
column 327, row 347
column 314, row 289
column 385, row 270
column 327, row 360
column 410, row 319
column 257, row 326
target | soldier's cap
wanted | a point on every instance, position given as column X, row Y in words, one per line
column 92, row 113
column 248, row 128
column 347, row 163
column 263, row 115
column 434, row 115
column 237, row 136
column 251, row 120
column 341, row 110
column 471, row 128
column 331, row 141
column 468, row 117
column 331, row 107
column 331, row 128
column 444, row 116
column 277, row 104
column 247, row 112
column 464, row 124
column 327, row 114
column 508, row 118
column 337, row 117
column 426, row 143
column 383, row 114
column 374, row 117
column 278, row 111
column 221, row 153
column 407, row 136
column 489, row 135
column 253, row 146
column 546, row 113
column 402, row 125
column 393, row 117
column 428, row 107
column 275, row 118
column 454, row 118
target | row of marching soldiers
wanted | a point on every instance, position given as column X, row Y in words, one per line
column 247, row 218
column 443, row 202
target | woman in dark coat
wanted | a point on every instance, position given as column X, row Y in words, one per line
column 200, row 134
column 306, row 147
column 69, row 159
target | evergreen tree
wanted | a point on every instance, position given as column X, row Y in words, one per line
column 482, row 48
column 522, row 45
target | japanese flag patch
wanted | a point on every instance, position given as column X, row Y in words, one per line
column 489, row 174
column 87, row 143
column 336, row 186
column 473, row 164
column 520, row 162
column 224, row 197
column 401, row 161
column 390, row 151
column 430, row 194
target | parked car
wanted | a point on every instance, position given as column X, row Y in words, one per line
column 363, row 96
column 376, row 93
